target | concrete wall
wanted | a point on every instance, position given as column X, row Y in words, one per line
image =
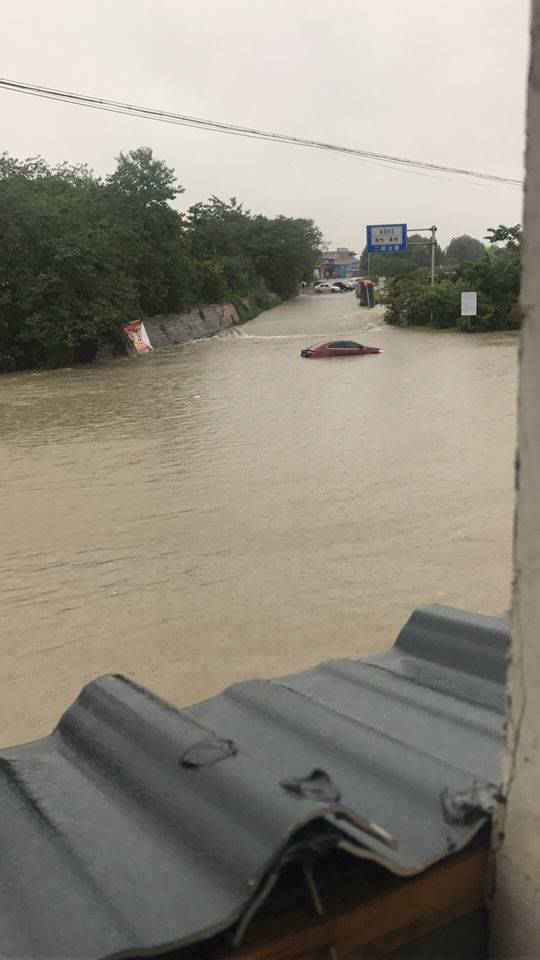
column 170, row 329
column 516, row 917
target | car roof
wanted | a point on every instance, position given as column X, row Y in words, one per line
column 329, row 343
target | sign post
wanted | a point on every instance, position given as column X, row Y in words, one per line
column 433, row 245
column 387, row 238
column 469, row 304
column 423, row 243
column 392, row 238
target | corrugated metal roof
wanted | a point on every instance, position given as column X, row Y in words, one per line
column 136, row 827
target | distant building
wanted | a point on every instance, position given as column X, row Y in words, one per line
column 339, row 263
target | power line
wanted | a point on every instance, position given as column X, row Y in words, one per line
column 433, row 176
column 164, row 116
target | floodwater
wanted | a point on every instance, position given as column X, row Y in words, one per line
column 227, row 510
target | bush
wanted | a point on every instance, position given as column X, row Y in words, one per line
column 258, row 300
column 496, row 277
column 483, row 322
column 407, row 301
column 412, row 301
column 444, row 299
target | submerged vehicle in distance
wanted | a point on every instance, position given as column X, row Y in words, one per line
column 326, row 286
column 339, row 348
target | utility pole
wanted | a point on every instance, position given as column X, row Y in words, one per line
column 432, row 243
column 423, row 243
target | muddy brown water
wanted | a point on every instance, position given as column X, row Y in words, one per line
column 228, row 510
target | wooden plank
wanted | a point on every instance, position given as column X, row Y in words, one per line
column 374, row 923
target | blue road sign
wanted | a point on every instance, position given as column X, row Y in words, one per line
column 387, row 238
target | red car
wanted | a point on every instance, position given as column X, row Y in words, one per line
column 339, row 348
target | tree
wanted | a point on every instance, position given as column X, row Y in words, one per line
column 464, row 249
column 218, row 228
column 63, row 287
column 81, row 256
column 281, row 251
column 143, row 179
column 151, row 232
column 495, row 276
column 418, row 255
column 511, row 236
column 285, row 251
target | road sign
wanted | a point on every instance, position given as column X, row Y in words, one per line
column 468, row 304
column 387, row 238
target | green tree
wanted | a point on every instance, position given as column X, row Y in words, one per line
column 418, row 255
column 464, row 249
column 151, row 232
column 285, row 251
column 510, row 236
column 495, row 276
column 218, row 228
column 218, row 237
column 81, row 256
column 144, row 180
column 281, row 251
column 63, row 288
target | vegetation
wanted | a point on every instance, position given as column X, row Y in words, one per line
column 460, row 250
column 411, row 300
column 464, row 249
column 402, row 264
column 80, row 256
column 229, row 241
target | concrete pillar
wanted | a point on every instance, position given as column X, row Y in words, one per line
column 516, row 917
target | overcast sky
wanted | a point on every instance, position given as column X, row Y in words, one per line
column 414, row 78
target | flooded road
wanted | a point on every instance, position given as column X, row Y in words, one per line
column 227, row 510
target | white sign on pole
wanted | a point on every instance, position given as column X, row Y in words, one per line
column 468, row 304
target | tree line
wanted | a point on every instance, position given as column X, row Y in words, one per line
column 493, row 271
column 460, row 250
column 82, row 255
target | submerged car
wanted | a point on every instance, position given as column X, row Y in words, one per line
column 326, row 287
column 339, row 348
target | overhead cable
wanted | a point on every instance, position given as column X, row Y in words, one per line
column 165, row 116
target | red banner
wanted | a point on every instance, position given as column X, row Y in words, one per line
column 136, row 332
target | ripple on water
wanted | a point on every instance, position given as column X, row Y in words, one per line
column 227, row 509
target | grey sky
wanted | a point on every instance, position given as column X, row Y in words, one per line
column 416, row 78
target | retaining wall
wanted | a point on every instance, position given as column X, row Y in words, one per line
column 170, row 329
